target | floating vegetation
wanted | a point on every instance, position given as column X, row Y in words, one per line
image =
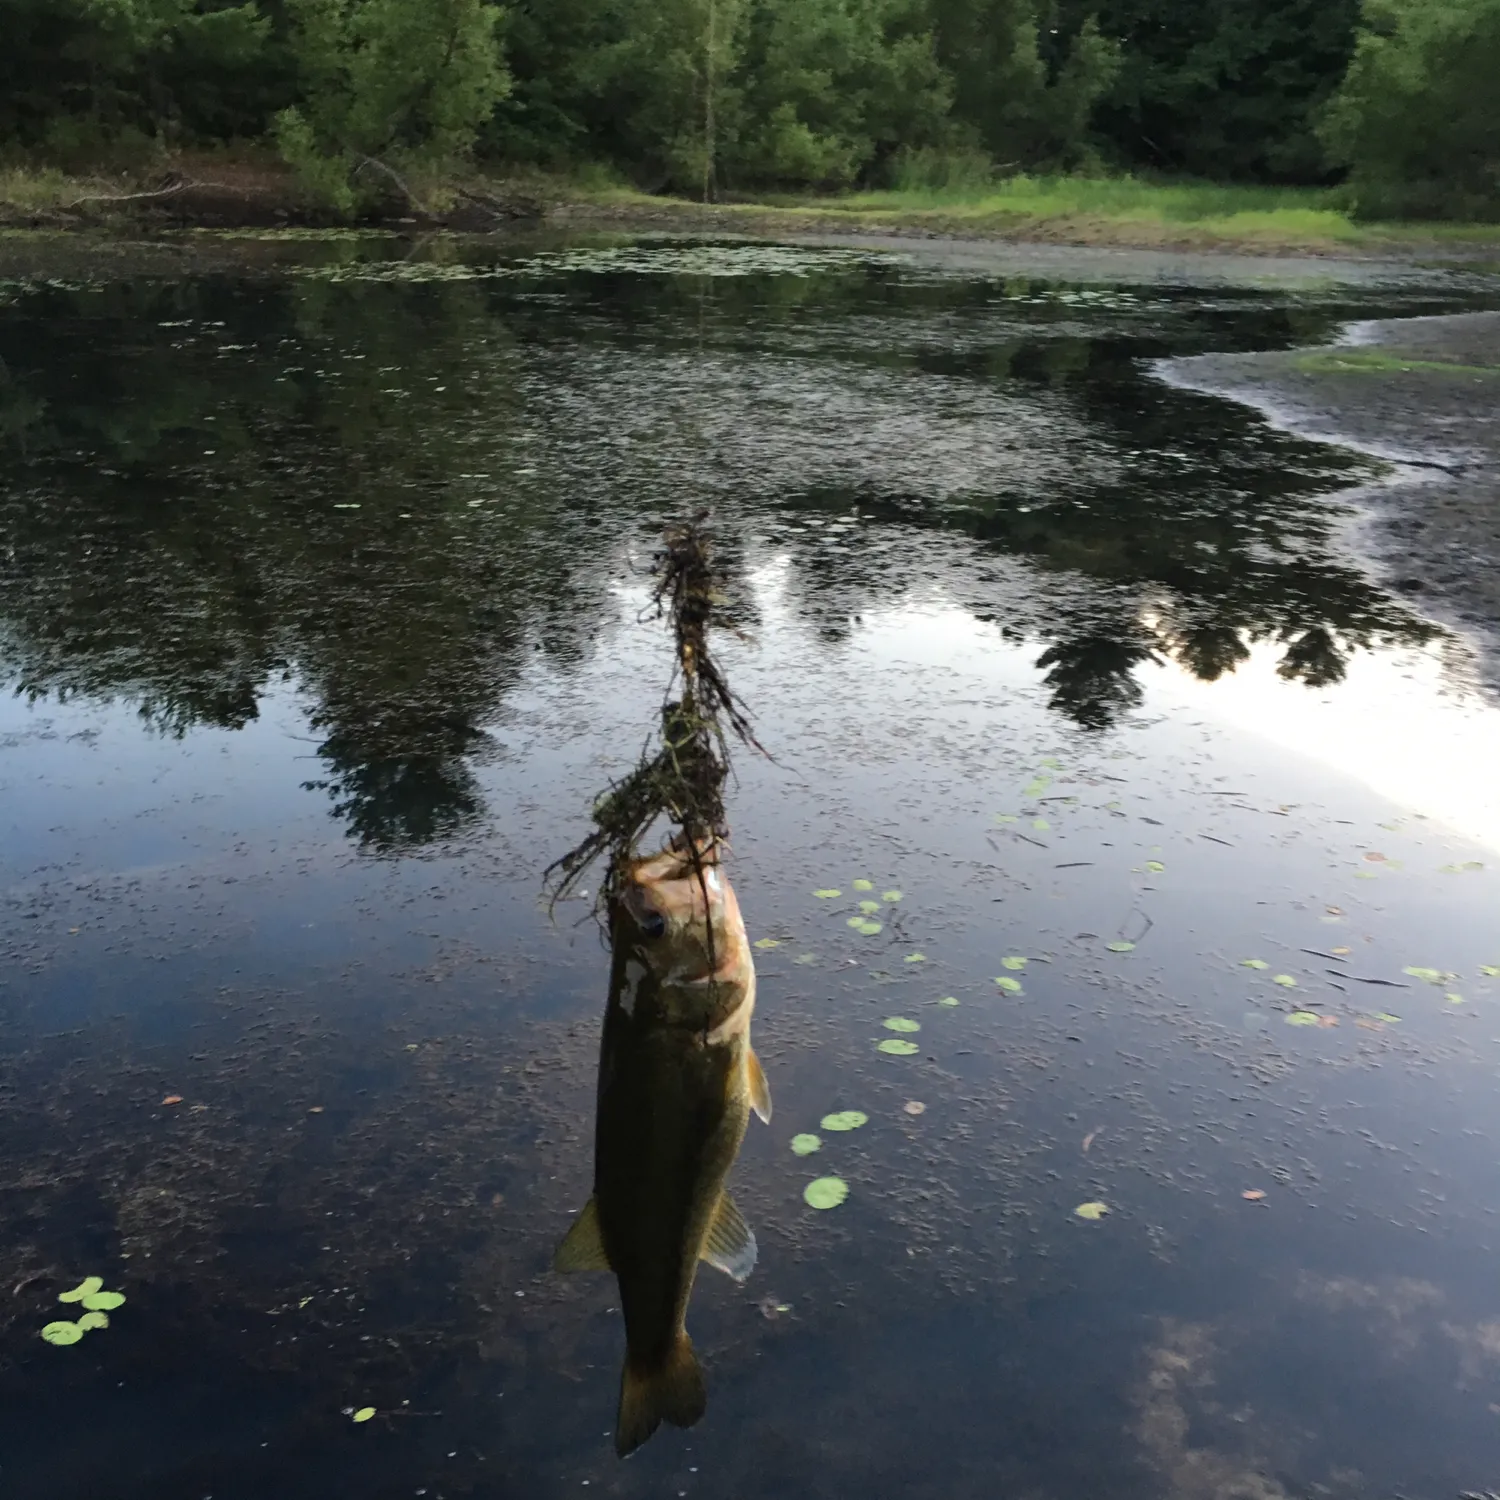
column 829, row 893
column 768, row 942
column 1013, row 963
column 1469, row 866
column 890, row 895
column 914, row 1107
column 1041, row 825
column 900, row 1023
column 1254, row 963
column 1303, row 1018
column 1155, row 866
column 85, row 1288
column 1120, row 946
column 1454, row 999
column 1492, row 970
column 1286, row 981
column 1093, row 1211
column 805, row 958
column 1009, row 985
column 893, row 1047
column 825, row 1192
column 1036, row 788
column 805, row 1144
column 1387, row 1017
column 845, row 1119
column 949, row 1000
column 363, row 1414
column 94, row 1320
column 104, row 1301
column 916, row 958
column 63, row 1333
column 865, row 925
column 864, row 885
column 99, row 1304
column 869, row 906
column 1429, row 976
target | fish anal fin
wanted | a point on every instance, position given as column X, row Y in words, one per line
column 670, row 1392
column 760, row 1090
column 582, row 1247
column 730, row 1246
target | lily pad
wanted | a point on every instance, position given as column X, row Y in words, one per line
column 1254, row 963
column 869, row 906
column 768, row 942
column 1454, row 999
column 1302, row 1018
column 825, row 1192
column 1492, row 970
column 85, row 1288
column 916, row 958
column 1013, row 963
column 104, row 1301
column 805, row 958
column 1387, row 1017
column 1041, row 825
column 828, row 894
column 1120, row 947
column 62, row 1333
column 1006, row 818
column 94, row 1320
column 1155, row 866
column 949, row 1000
column 1466, row 866
column 845, row 1119
column 864, row 885
column 1091, row 1210
column 890, row 895
column 1037, row 787
column 865, row 925
column 900, row 1023
column 894, row 1047
column 1286, row 981
column 805, row 1144
column 363, row 1414
column 1429, row 976
column 1009, row 985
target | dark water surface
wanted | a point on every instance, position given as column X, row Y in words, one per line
column 322, row 590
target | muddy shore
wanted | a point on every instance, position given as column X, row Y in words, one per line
column 1423, row 394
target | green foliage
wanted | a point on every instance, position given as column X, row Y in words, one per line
column 383, row 81
column 1416, row 119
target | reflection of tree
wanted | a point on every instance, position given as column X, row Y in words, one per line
column 1092, row 677
column 222, row 485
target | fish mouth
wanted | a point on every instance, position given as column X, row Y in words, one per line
column 640, row 909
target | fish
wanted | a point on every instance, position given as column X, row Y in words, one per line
column 678, row 1080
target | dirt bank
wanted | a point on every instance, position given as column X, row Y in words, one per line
column 1423, row 394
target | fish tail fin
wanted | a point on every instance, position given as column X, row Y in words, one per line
column 672, row 1392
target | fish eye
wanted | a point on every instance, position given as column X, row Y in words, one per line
column 653, row 924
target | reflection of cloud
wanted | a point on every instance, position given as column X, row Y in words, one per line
column 1179, row 1372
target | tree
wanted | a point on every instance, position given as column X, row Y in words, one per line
column 387, row 84
column 1416, row 119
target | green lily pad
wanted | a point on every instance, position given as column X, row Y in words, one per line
column 1013, row 963
column 890, row 895
column 104, row 1301
column 1254, row 963
column 62, row 1333
column 1466, row 866
column 1155, row 866
column 949, row 1000
column 1454, row 999
column 1006, row 818
column 1120, row 947
column 1387, row 1017
column 865, row 925
column 1041, row 825
column 828, row 894
column 845, row 1119
column 869, row 906
column 1492, row 970
column 825, row 1192
column 893, row 1047
column 94, row 1320
column 1049, row 763
column 916, row 958
column 768, row 942
column 1093, row 1211
column 85, row 1288
column 1429, row 976
column 805, row 1144
column 1009, row 985
column 864, row 885
column 363, row 1414
column 1037, row 787
column 1286, row 981
column 1302, row 1018
column 805, row 958
column 900, row 1023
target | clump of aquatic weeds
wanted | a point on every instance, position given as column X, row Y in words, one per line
column 683, row 768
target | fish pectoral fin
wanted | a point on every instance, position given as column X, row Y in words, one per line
column 730, row 1246
column 582, row 1247
column 760, row 1090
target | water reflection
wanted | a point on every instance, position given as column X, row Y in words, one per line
column 677, row 1083
column 395, row 495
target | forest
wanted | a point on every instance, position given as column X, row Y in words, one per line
column 1390, row 102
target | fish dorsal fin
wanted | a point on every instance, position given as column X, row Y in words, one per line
column 582, row 1248
column 760, row 1090
column 730, row 1246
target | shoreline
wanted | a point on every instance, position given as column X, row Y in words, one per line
column 1422, row 395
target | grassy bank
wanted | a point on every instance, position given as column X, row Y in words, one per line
column 228, row 191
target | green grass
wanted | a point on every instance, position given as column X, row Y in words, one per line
column 1385, row 362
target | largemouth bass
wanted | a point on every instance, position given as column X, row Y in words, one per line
column 677, row 1082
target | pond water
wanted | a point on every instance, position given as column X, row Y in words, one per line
column 324, row 587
